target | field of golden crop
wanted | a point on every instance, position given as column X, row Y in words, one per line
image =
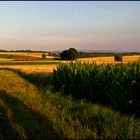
column 5, row 59
column 39, row 55
column 48, row 68
column 110, row 59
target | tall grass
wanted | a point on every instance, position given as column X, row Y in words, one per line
column 115, row 85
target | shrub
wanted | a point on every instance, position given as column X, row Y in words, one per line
column 118, row 57
column 43, row 56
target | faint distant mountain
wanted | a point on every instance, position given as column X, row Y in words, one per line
column 99, row 51
column 88, row 51
column 55, row 51
column 103, row 51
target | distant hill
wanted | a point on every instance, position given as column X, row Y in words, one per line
column 106, row 51
column 98, row 51
column 59, row 51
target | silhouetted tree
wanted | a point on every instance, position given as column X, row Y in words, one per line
column 43, row 56
column 70, row 54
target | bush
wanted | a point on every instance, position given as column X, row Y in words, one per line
column 70, row 54
column 43, row 56
column 118, row 57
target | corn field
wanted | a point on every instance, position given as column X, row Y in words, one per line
column 112, row 85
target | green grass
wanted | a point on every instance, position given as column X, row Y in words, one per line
column 26, row 112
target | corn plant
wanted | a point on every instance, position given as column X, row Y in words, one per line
column 115, row 85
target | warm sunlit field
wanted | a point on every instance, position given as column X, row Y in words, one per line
column 48, row 68
column 5, row 59
column 131, row 58
column 110, row 59
column 39, row 55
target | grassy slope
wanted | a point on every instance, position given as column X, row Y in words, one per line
column 27, row 113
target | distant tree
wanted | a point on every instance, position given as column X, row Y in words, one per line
column 118, row 57
column 73, row 53
column 43, row 56
column 70, row 54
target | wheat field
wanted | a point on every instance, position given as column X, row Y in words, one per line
column 110, row 59
column 5, row 59
column 39, row 55
column 48, row 68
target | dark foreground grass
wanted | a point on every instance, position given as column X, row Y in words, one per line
column 26, row 113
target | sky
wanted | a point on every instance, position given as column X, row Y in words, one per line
column 59, row 25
